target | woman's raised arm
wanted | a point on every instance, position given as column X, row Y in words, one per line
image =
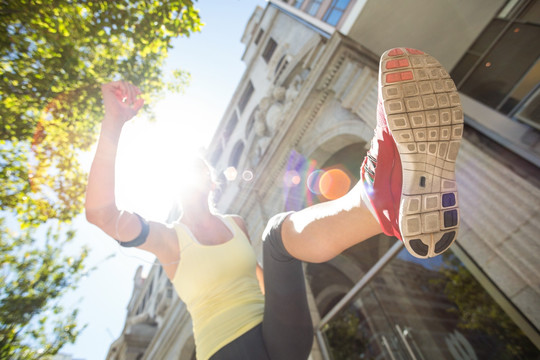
column 121, row 104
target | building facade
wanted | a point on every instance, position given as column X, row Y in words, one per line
column 295, row 133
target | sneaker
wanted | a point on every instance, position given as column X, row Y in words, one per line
column 409, row 171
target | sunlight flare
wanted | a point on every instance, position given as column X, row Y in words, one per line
column 154, row 159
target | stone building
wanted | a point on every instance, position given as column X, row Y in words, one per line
column 304, row 110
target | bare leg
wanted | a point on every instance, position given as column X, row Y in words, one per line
column 321, row 232
column 411, row 181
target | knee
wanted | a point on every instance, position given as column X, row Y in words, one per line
column 272, row 240
column 272, row 232
column 298, row 245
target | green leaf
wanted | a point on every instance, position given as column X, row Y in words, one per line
column 54, row 56
column 53, row 62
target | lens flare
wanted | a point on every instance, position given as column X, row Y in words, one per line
column 230, row 173
column 313, row 181
column 247, row 175
column 334, row 183
column 291, row 178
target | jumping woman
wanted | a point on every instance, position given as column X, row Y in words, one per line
column 407, row 190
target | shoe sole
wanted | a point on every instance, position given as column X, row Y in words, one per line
column 425, row 118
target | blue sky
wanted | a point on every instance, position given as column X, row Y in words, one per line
column 185, row 123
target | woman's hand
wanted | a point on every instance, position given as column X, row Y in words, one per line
column 120, row 101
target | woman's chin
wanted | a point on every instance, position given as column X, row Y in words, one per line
column 193, row 194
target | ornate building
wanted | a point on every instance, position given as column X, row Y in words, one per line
column 305, row 109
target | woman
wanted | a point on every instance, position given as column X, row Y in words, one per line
column 407, row 190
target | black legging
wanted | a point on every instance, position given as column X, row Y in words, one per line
column 286, row 332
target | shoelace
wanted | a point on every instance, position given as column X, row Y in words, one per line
column 370, row 168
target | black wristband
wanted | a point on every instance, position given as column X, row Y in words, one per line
column 141, row 239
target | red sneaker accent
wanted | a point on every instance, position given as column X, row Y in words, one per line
column 399, row 76
column 398, row 63
column 408, row 173
column 395, row 52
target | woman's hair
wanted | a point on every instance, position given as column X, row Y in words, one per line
column 216, row 191
column 212, row 170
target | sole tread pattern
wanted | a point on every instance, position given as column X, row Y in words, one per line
column 425, row 118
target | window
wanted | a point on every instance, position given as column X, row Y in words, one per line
column 313, row 7
column 431, row 309
column 236, row 154
column 259, row 35
column 335, row 11
column 251, row 121
column 269, row 50
column 501, row 69
column 216, row 154
column 528, row 110
column 298, row 3
column 230, row 127
column 280, row 62
column 280, row 67
column 244, row 99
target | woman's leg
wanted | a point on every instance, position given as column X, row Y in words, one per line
column 323, row 231
column 408, row 180
column 287, row 328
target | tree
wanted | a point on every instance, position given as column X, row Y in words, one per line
column 33, row 277
column 478, row 313
column 346, row 337
column 54, row 55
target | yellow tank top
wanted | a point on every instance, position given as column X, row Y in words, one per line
column 218, row 283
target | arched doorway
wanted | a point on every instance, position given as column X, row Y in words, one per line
column 331, row 280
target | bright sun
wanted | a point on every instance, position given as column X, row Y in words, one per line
column 152, row 156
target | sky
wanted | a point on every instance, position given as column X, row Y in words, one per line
column 147, row 151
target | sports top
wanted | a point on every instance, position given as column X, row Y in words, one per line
column 219, row 286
